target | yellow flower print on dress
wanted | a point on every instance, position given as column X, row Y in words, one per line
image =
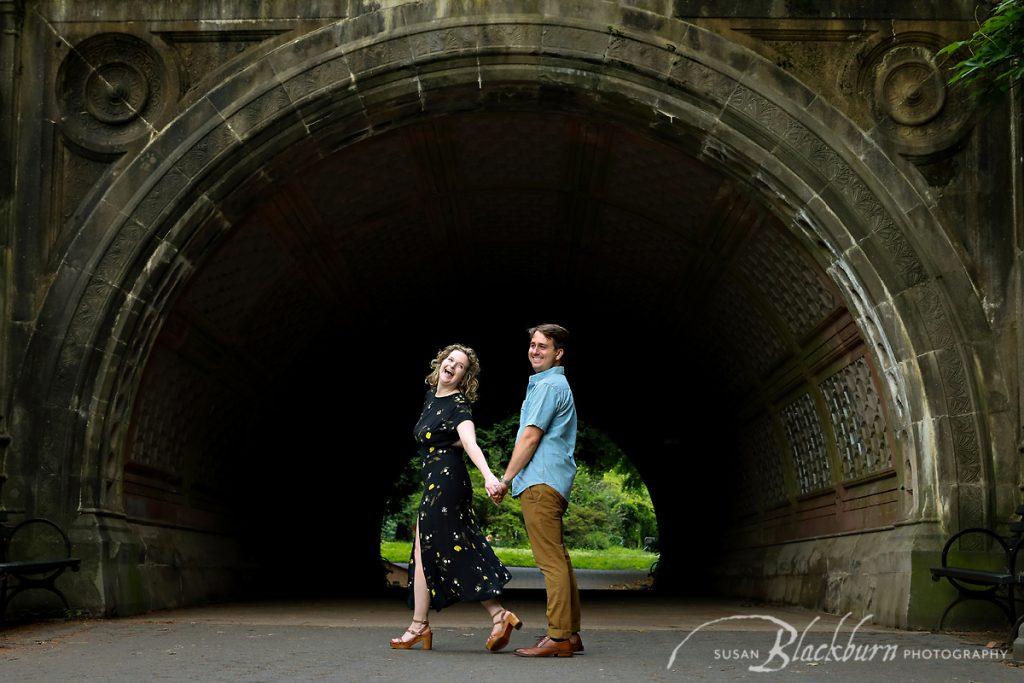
column 428, row 435
column 458, row 548
column 429, row 488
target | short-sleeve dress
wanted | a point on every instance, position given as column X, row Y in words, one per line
column 458, row 563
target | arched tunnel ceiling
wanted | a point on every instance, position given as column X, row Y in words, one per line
column 478, row 224
column 598, row 212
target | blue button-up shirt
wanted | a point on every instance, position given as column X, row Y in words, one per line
column 549, row 407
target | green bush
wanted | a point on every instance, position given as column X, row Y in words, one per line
column 592, row 520
column 638, row 521
column 504, row 523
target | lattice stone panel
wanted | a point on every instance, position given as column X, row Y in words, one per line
column 161, row 417
column 791, row 286
column 761, row 449
column 858, row 420
column 803, row 428
column 234, row 279
column 746, row 327
column 173, row 417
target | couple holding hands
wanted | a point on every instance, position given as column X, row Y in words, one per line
column 451, row 560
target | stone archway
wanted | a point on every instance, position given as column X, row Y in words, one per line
column 861, row 216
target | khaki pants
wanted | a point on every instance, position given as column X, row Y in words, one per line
column 543, row 508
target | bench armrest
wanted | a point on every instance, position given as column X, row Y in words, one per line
column 9, row 537
column 985, row 532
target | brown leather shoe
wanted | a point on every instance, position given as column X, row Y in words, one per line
column 546, row 647
column 577, row 643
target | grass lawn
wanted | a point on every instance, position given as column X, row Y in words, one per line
column 612, row 558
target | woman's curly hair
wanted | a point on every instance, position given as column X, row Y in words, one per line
column 470, row 384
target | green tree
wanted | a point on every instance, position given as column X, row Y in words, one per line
column 635, row 511
column 609, row 504
column 503, row 523
column 593, row 519
column 993, row 58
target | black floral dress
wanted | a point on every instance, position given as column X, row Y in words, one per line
column 458, row 563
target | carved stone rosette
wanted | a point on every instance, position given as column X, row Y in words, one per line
column 112, row 89
column 915, row 109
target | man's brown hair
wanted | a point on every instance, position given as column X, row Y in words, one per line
column 556, row 333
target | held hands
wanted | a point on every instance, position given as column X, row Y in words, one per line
column 495, row 489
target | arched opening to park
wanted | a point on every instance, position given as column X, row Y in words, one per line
column 303, row 336
column 230, row 360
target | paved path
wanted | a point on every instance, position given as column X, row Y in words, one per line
column 627, row 636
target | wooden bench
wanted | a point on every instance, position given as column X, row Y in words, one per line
column 1001, row 587
column 22, row 575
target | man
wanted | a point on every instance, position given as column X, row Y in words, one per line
column 540, row 473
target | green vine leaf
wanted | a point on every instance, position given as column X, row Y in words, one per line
column 995, row 53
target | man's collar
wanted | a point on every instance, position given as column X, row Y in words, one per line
column 553, row 370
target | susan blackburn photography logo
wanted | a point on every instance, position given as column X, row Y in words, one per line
column 791, row 646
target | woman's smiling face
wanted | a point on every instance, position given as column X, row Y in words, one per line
column 452, row 370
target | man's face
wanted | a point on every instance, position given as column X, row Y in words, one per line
column 543, row 355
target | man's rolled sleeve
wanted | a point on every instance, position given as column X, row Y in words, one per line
column 540, row 408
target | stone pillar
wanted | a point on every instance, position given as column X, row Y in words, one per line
column 1017, row 187
column 10, row 25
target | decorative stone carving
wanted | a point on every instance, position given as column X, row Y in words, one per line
column 914, row 108
column 909, row 88
column 125, row 386
column 112, row 89
column 204, row 52
column 701, row 80
column 78, row 174
column 830, row 165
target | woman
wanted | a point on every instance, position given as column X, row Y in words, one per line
column 451, row 561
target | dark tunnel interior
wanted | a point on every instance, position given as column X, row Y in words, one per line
column 278, row 404
column 333, row 436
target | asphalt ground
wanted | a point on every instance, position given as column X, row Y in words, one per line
column 628, row 636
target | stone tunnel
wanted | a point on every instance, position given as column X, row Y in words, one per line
column 237, row 240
